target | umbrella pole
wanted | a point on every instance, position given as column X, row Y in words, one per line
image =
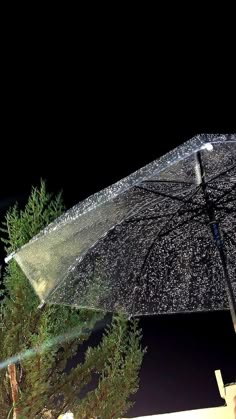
column 218, row 241
column 228, row 284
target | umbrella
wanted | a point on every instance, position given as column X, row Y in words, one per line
column 162, row 240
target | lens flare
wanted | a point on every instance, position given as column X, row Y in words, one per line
column 72, row 334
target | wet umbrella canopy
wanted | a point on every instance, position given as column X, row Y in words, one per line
column 162, row 240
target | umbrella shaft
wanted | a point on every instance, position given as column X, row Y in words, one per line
column 218, row 241
column 228, row 285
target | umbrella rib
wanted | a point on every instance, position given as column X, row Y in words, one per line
column 168, row 181
column 127, row 221
column 225, row 209
column 154, row 217
column 166, row 195
column 224, row 195
column 144, row 219
column 158, row 217
column 151, row 247
column 215, row 188
column 229, row 200
column 171, row 214
column 221, row 173
column 197, row 214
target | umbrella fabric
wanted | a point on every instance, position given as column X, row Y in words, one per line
column 146, row 245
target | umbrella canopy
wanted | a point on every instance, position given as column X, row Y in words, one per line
column 162, row 240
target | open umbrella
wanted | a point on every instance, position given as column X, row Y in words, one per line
column 162, row 240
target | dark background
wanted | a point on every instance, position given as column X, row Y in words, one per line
column 83, row 120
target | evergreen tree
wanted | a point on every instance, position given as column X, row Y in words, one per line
column 38, row 382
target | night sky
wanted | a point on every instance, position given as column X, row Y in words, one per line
column 82, row 143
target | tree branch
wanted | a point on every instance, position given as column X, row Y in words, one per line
column 14, row 389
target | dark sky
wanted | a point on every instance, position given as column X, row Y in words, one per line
column 82, row 137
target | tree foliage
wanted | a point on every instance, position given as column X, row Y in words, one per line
column 51, row 336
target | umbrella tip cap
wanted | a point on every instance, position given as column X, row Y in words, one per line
column 207, row 146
